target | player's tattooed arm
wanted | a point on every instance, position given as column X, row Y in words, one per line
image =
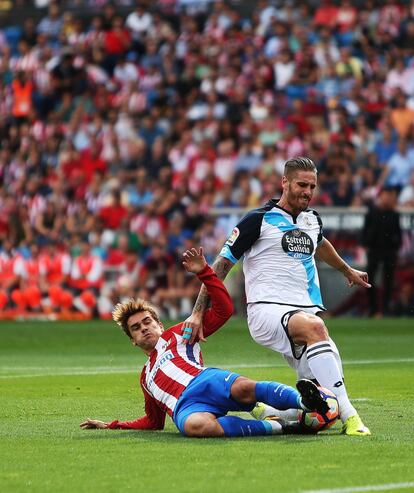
column 222, row 267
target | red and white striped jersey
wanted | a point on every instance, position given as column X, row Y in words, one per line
column 172, row 365
column 170, row 368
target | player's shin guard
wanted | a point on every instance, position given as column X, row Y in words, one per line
column 234, row 426
column 324, row 366
column 278, row 395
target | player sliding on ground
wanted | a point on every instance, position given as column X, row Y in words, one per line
column 175, row 381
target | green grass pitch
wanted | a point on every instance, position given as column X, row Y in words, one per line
column 53, row 375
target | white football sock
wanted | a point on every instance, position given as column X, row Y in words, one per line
column 322, row 361
column 288, row 414
column 276, row 427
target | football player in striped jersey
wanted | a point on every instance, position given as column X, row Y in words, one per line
column 175, row 381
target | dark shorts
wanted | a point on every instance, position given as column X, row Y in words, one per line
column 209, row 392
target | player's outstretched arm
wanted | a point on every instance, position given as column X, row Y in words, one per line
column 154, row 418
column 90, row 424
column 328, row 254
column 221, row 267
column 194, row 260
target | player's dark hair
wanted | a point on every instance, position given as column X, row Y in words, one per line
column 123, row 311
column 299, row 164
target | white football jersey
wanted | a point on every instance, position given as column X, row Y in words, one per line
column 279, row 255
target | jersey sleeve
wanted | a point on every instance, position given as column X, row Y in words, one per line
column 221, row 304
column 320, row 234
column 154, row 418
column 245, row 233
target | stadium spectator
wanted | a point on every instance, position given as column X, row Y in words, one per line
column 115, row 214
column 399, row 167
column 406, row 197
column 404, row 303
column 382, row 238
column 86, row 278
column 51, row 25
column 32, row 283
column 48, row 224
column 197, row 94
column 22, row 97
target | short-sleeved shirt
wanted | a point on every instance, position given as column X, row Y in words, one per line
column 279, row 255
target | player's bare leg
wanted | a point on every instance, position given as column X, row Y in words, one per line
column 203, row 425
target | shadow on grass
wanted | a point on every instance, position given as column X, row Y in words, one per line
column 177, row 438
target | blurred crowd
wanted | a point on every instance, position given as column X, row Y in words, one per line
column 119, row 133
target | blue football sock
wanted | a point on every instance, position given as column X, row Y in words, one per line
column 234, row 426
column 278, row 395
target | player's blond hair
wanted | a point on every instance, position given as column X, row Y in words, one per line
column 123, row 311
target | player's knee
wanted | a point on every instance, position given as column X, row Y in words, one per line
column 243, row 390
column 317, row 330
column 201, row 427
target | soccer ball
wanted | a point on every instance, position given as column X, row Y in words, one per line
column 319, row 422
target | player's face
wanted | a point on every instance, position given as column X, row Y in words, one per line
column 144, row 330
column 299, row 189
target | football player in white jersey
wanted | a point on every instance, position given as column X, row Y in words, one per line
column 279, row 242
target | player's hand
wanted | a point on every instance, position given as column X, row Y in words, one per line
column 93, row 424
column 192, row 330
column 357, row 278
column 193, row 260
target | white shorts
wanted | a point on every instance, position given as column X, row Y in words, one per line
column 268, row 324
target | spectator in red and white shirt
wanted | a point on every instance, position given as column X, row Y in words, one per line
column 32, row 281
column 87, row 270
column 175, row 381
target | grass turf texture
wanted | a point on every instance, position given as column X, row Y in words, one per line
column 53, row 375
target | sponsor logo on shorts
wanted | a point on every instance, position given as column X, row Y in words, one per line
column 297, row 244
column 228, row 377
column 233, row 237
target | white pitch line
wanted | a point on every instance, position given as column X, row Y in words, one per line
column 47, row 371
column 356, row 489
